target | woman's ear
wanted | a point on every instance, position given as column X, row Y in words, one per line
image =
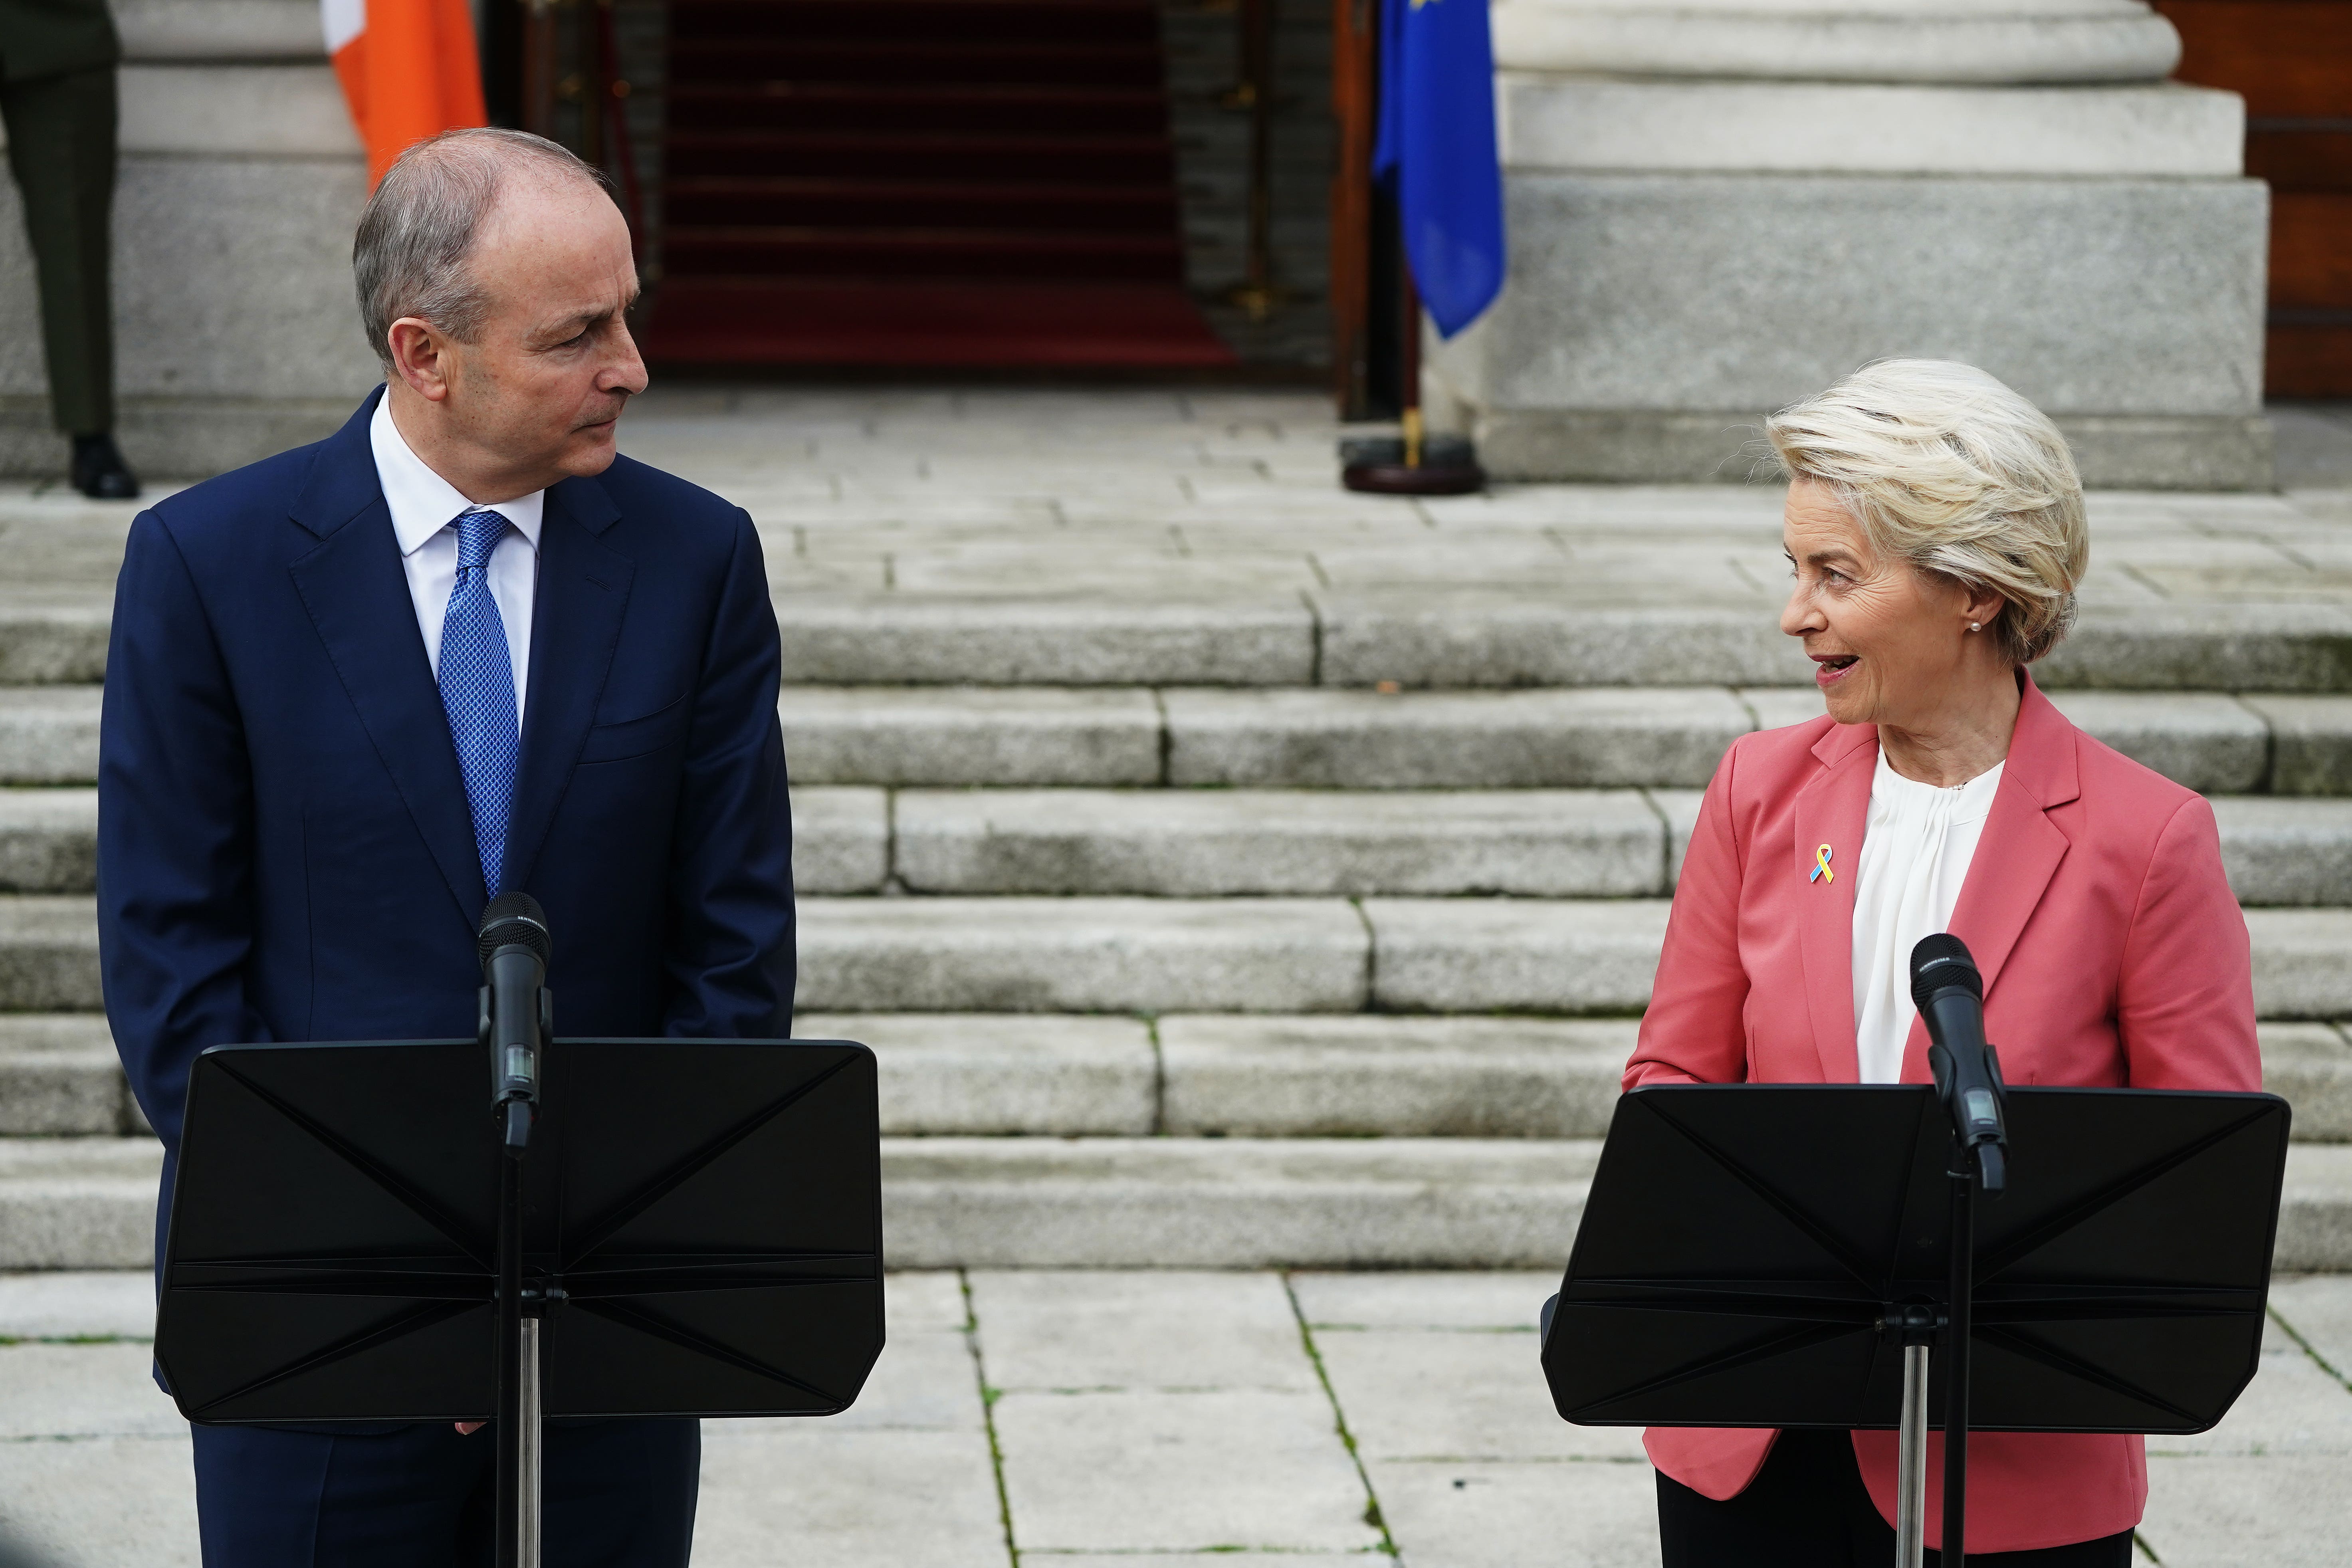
column 1981, row 606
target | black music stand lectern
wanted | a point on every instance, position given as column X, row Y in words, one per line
column 701, row 1235
column 1780, row 1256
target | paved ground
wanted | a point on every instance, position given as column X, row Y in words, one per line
column 1149, row 1420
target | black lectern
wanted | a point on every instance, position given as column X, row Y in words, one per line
column 701, row 1233
column 1773, row 1254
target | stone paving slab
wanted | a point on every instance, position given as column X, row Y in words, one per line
column 1459, row 740
column 2281, row 1512
column 1134, row 640
column 2203, row 739
column 1169, row 1331
column 107, row 1304
column 102, row 1502
column 981, row 1073
column 59, row 1076
column 1232, row 1203
column 2311, row 743
column 1295, row 1076
column 1217, row 1471
column 1397, row 1077
column 1188, row 843
column 79, row 1203
column 804, row 1494
column 1259, row 955
column 1078, row 955
column 1252, row 1456
column 961, row 736
column 48, row 734
column 1475, row 955
column 841, row 840
column 48, row 840
column 2286, row 851
column 1587, row 1515
column 971, row 735
column 2299, row 968
column 1533, row 842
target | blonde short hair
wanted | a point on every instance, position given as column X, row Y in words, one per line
column 1947, row 468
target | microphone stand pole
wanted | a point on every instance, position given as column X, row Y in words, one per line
column 518, row 1420
column 1966, row 1174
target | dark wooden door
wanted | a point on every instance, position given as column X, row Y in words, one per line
column 2292, row 61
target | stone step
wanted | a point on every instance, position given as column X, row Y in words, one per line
column 48, row 840
column 60, row 1077
column 1164, row 1203
column 1419, row 634
column 1563, row 956
column 1579, row 737
column 1201, row 842
column 1194, row 1075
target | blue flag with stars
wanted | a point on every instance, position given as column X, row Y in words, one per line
column 1436, row 143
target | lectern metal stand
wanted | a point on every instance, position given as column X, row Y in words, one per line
column 701, row 1234
column 1911, row 1463
column 1776, row 1256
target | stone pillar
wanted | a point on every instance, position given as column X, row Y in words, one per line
column 241, row 178
column 1718, row 207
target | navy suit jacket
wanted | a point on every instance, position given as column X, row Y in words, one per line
column 284, row 846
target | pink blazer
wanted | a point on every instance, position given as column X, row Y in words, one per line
column 2113, row 954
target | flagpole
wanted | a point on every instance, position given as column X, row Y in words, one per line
column 1405, row 469
column 1409, row 363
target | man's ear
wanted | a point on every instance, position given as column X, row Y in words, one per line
column 420, row 356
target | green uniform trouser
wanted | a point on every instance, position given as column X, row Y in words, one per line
column 61, row 150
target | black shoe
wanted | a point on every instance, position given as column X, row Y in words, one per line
column 99, row 471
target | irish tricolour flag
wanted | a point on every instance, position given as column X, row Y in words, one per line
column 408, row 70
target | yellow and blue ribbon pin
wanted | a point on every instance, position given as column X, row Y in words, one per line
column 1822, row 871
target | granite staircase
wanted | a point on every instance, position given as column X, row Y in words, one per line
column 1277, row 886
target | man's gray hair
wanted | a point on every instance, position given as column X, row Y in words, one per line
column 410, row 256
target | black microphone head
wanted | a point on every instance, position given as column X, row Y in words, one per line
column 515, row 919
column 1940, row 961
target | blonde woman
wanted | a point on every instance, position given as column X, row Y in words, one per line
column 1935, row 532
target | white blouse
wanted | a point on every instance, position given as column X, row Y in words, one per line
column 1915, row 854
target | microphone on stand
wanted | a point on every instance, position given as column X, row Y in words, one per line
column 518, row 1013
column 1950, row 995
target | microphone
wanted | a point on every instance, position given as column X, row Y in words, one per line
column 1950, row 995
column 518, row 1014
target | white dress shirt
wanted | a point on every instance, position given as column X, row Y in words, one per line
column 424, row 510
column 1914, row 856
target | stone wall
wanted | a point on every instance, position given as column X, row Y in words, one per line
column 241, row 177
column 1713, row 212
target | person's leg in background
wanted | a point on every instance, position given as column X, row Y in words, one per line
column 61, row 148
column 276, row 1496
column 621, row 1494
column 1806, row 1509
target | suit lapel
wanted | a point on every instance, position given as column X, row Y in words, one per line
column 582, row 597
column 2020, row 847
column 1832, row 810
column 358, row 600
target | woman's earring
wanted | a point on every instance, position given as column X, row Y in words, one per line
column 1974, row 627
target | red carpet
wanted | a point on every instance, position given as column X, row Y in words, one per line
column 911, row 182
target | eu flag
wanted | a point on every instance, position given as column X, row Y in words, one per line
column 1436, row 142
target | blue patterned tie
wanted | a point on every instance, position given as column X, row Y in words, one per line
column 478, row 690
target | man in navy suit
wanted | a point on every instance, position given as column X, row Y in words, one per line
column 355, row 691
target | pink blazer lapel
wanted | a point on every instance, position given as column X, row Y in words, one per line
column 2018, row 853
column 1830, row 815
